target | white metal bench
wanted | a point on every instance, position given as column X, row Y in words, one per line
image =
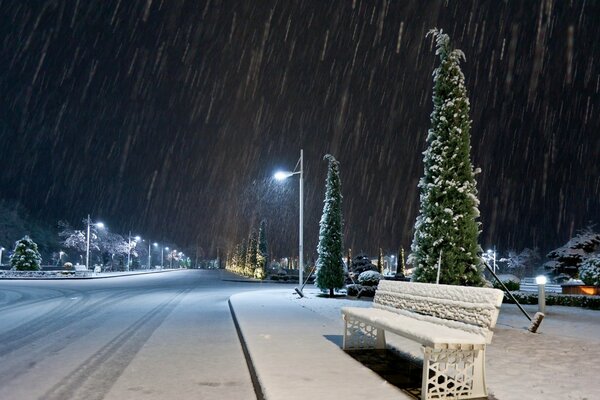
column 452, row 323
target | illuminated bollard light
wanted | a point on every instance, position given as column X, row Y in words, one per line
column 541, row 282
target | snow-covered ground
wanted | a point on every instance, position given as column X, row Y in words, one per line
column 558, row 362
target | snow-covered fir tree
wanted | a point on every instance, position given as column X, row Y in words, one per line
column 330, row 270
column 447, row 221
column 262, row 251
column 26, row 256
column 568, row 258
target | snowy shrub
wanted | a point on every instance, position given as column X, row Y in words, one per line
column 589, row 272
column 360, row 290
column 68, row 266
column 369, row 278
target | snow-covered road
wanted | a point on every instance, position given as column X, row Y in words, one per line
column 157, row 336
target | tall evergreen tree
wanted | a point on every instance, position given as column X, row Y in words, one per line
column 449, row 205
column 26, row 256
column 330, row 271
column 262, row 251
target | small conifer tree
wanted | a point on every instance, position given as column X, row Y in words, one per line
column 447, row 222
column 26, row 256
column 330, row 271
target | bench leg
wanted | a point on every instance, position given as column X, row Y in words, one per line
column 453, row 373
column 359, row 335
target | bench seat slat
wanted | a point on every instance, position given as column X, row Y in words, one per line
column 424, row 332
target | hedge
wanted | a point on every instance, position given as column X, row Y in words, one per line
column 553, row 299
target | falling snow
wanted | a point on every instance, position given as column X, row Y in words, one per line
column 169, row 117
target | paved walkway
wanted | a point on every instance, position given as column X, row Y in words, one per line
column 295, row 348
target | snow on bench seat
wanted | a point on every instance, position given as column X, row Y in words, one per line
column 427, row 333
column 452, row 323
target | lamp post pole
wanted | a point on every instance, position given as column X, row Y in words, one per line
column 281, row 175
column 128, row 250
column 1, row 250
column 149, row 255
column 87, row 249
column 301, row 222
column 162, row 257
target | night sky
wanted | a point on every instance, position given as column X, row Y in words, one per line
column 169, row 117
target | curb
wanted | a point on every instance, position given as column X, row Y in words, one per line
column 85, row 277
column 253, row 377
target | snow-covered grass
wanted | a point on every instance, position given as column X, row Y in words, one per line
column 44, row 274
column 559, row 362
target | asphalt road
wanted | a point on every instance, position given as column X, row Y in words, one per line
column 157, row 336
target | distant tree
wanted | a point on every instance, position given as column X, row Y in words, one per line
column 251, row 254
column 380, row 261
column 349, row 259
column 401, row 267
column 330, row 271
column 568, row 258
column 26, row 256
column 521, row 263
column 448, row 195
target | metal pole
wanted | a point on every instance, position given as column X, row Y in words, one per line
column 162, row 257
column 128, row 251
column 301, row 229
column 87, row 251
column 149, row 255
column 494, row 259
column 1, row 250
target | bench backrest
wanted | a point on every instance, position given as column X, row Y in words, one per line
column 471, row 308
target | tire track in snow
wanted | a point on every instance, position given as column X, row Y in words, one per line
column 92, row 379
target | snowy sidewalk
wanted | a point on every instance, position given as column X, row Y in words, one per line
column 296, row 352
column 294, row 345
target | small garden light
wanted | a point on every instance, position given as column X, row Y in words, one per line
column 541, row 282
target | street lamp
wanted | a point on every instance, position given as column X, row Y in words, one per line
column 156, row 245
column 137, row 239
column 98, row 225
column 281, row 175
column 492, row 253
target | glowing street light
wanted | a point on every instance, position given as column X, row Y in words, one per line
column 98, row 225
column 281, row 175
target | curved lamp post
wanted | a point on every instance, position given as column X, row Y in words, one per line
column 281, row 175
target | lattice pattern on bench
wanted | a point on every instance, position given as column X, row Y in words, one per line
column 449, row 373
column 360, row 335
